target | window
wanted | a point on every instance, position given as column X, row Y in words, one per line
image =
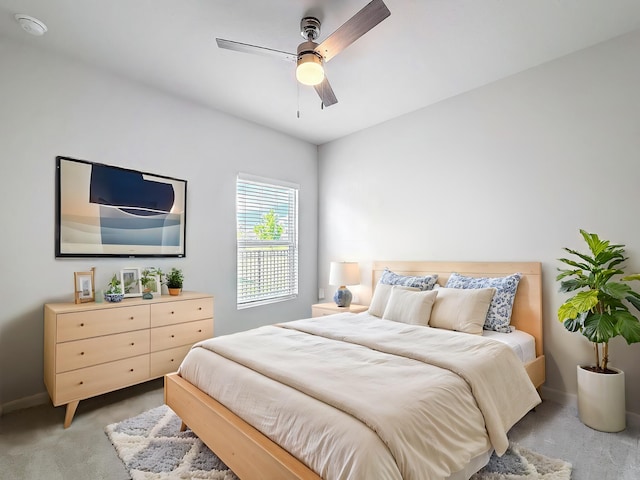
column 267, row 218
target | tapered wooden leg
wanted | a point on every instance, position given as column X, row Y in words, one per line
column 71, row 411
column 183, row 427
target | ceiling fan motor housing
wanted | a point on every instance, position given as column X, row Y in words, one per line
column 308, row 47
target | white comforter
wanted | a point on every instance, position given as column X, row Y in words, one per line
column 357, row 397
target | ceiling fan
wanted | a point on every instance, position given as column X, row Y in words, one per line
column 311, row 56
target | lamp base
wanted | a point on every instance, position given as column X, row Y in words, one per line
column 343, row 297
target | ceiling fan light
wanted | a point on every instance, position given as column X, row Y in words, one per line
column 309, row 70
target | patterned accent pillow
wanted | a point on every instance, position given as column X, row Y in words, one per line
column 423, row 283
column 499, row 314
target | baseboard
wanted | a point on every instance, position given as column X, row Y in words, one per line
column 571, row 400
column 26, row 402
column 558, row 396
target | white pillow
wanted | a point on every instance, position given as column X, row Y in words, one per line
column 410, row 307
column 381, row 298
column 462, row 310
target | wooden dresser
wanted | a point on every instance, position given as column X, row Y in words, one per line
column 95, row 348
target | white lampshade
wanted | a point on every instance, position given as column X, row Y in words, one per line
column 309, row 70
column 344, row 273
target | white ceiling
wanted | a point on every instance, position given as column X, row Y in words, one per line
column 426, row 51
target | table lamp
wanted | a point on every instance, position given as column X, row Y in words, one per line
column 343, row 274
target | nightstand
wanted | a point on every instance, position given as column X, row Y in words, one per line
column 322, row 309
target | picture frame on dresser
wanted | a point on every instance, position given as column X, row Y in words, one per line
column 131, row 285
column 84, row 289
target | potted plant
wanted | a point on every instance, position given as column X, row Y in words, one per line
column 148, row 278
column 173, row 280
column 114, row 292
column 600, row 311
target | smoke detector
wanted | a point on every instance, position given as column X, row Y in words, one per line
column 31, row 25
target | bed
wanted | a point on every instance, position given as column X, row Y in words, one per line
column 250, row 454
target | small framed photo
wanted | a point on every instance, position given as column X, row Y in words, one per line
column 130, row 278
column 83, row 287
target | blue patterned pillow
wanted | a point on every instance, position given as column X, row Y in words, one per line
column 423, row 283
column 499, row 314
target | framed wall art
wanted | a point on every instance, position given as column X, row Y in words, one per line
column 130, row 278
column 84, row 287
column 107, row 211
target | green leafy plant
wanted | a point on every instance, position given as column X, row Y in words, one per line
column 270, row 228
column 148, row 277
column 174, row 278
column 598, row 310
column 114, row 285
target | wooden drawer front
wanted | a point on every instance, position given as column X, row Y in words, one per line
column 188, row 333
column 92, row 351
column 181, row 311
column 79, row 325
column 91, row 381
column 167, row 361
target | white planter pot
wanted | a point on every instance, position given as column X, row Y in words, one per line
column 601, row 403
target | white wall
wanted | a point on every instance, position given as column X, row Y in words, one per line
column 507, row 172
column 51, row 106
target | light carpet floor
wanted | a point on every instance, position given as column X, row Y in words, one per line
column 153, row 448
column 33, row 444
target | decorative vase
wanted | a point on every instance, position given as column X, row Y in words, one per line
column 601, row 401
column 113, row 297
column 174, row 291
column 147, row 295
column 343, row 297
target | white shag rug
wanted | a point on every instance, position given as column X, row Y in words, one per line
column 153, row 448
column 519, row 463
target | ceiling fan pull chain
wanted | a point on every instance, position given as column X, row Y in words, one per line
column 298, row 97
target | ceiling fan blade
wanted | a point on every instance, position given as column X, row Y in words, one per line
column 246, row 48
column 325, row 92
column 363, row 21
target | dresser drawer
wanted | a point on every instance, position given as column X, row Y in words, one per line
column 181, row 311
column 167, row 361
column 91, row 381
column 188, row 333
column 93, row 351
column 94, row 323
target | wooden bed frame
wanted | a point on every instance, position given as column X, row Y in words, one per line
column 251, row 455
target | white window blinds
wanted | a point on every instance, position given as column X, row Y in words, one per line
column 267, row 239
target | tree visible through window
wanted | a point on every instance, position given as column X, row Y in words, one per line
column 267, row 239
column 270, row 228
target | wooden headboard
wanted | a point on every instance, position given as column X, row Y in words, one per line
column 527, row 308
